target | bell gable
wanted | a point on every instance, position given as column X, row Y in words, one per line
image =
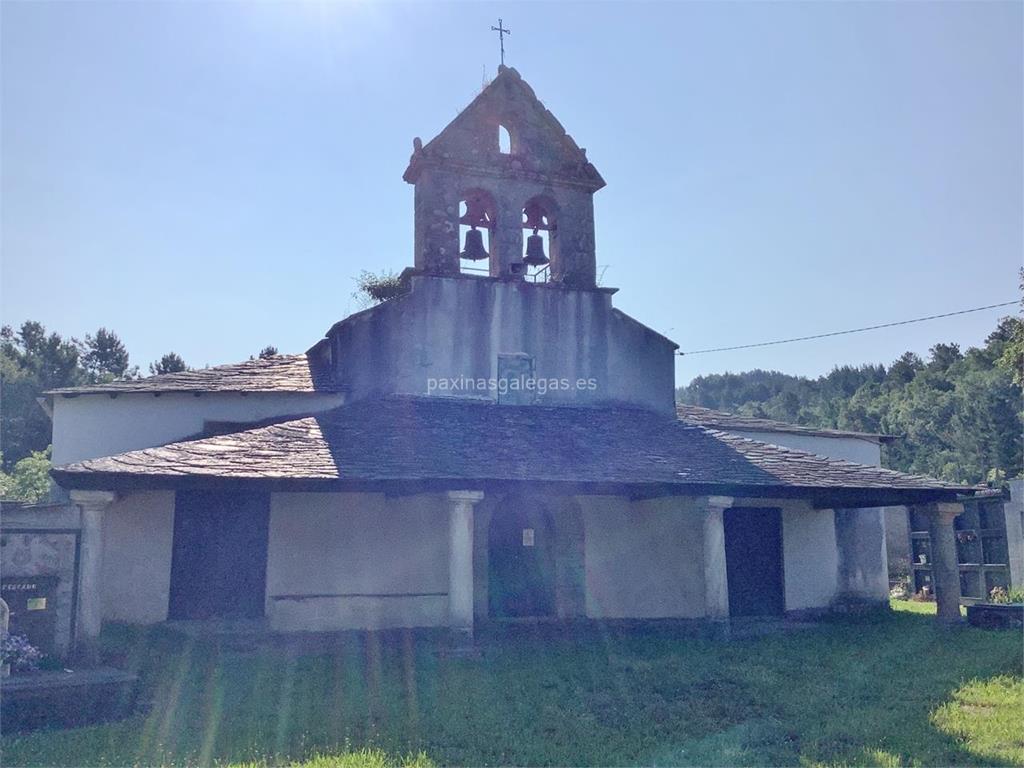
column 504, row 191
column 538, row 146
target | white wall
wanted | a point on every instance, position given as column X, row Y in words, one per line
column 810, row 556
column 857, row 449
column 89, row 426
column 457, row 327
column 643, row 559
column 345, row 561
column 138, row 531
column 352, row 556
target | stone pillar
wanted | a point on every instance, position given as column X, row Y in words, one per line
column 1013, row 513
column 945, row 569
column 716, row 583
column 863, row 575
column 89, row 618
column 460, row 564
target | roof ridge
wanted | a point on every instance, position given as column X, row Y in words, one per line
column 731, row 421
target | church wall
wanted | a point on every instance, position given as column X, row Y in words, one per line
column 643, row 558
column 859, row 450
column 350, row 560
column 810, row 557
column 860, row 540
column 138, row 532
column 90, row 426
column 569, row 550
column 455, row 328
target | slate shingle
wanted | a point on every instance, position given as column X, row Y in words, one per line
column 280, row 373
column 708, row 417
column 433, row 439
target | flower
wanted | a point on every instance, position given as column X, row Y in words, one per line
column 17, row 651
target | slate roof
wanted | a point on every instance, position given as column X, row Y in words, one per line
column 461, row 443
column 707, row 417
column 280, row 373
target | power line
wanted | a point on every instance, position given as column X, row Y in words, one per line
column 843, row 333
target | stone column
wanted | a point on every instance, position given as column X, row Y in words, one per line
column 716, row 583
column 945, row 569
column 1015, row 533
column 90, row 569
column 863, row 576
column 460, row 564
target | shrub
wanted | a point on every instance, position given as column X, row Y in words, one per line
column 376, row 289
column 17, row 651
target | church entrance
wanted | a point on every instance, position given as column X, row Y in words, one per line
column 219, row 558
column 521, row 560
column 753, row 561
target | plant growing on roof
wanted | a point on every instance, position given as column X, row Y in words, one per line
column 374, row 289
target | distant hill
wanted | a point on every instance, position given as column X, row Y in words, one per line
column 960, row 413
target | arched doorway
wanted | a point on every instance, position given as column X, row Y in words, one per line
column 521, row 560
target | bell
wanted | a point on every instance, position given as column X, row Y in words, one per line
column 474, row 246
column 535, row 250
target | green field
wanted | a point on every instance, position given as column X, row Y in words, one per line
column 887, row 690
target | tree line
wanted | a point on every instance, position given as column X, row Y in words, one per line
column 958, row 413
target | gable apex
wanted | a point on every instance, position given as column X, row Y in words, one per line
column 540, row 145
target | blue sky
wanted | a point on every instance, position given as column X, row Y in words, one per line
column 210, row 177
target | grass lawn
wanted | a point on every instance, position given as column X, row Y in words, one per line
column 890, row 690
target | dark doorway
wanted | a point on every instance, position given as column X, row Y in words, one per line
column 753, row 561
column 521, row 561
column 219, row 561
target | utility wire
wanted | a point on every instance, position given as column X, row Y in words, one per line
column 843, row 333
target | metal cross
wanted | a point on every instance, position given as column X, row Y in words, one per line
column 501, row 36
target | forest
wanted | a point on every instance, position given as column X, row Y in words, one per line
column 958, row 412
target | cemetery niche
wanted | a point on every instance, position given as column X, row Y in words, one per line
column 32, row 601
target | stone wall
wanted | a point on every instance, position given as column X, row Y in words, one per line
column 571, row 245
column 43, row 541
column 1014, row 510
column 542, row 165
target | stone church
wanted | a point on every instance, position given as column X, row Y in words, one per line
column 495, row 442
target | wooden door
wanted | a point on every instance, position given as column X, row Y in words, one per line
column 219, row 560
column 753, row 558
column 521, row 561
